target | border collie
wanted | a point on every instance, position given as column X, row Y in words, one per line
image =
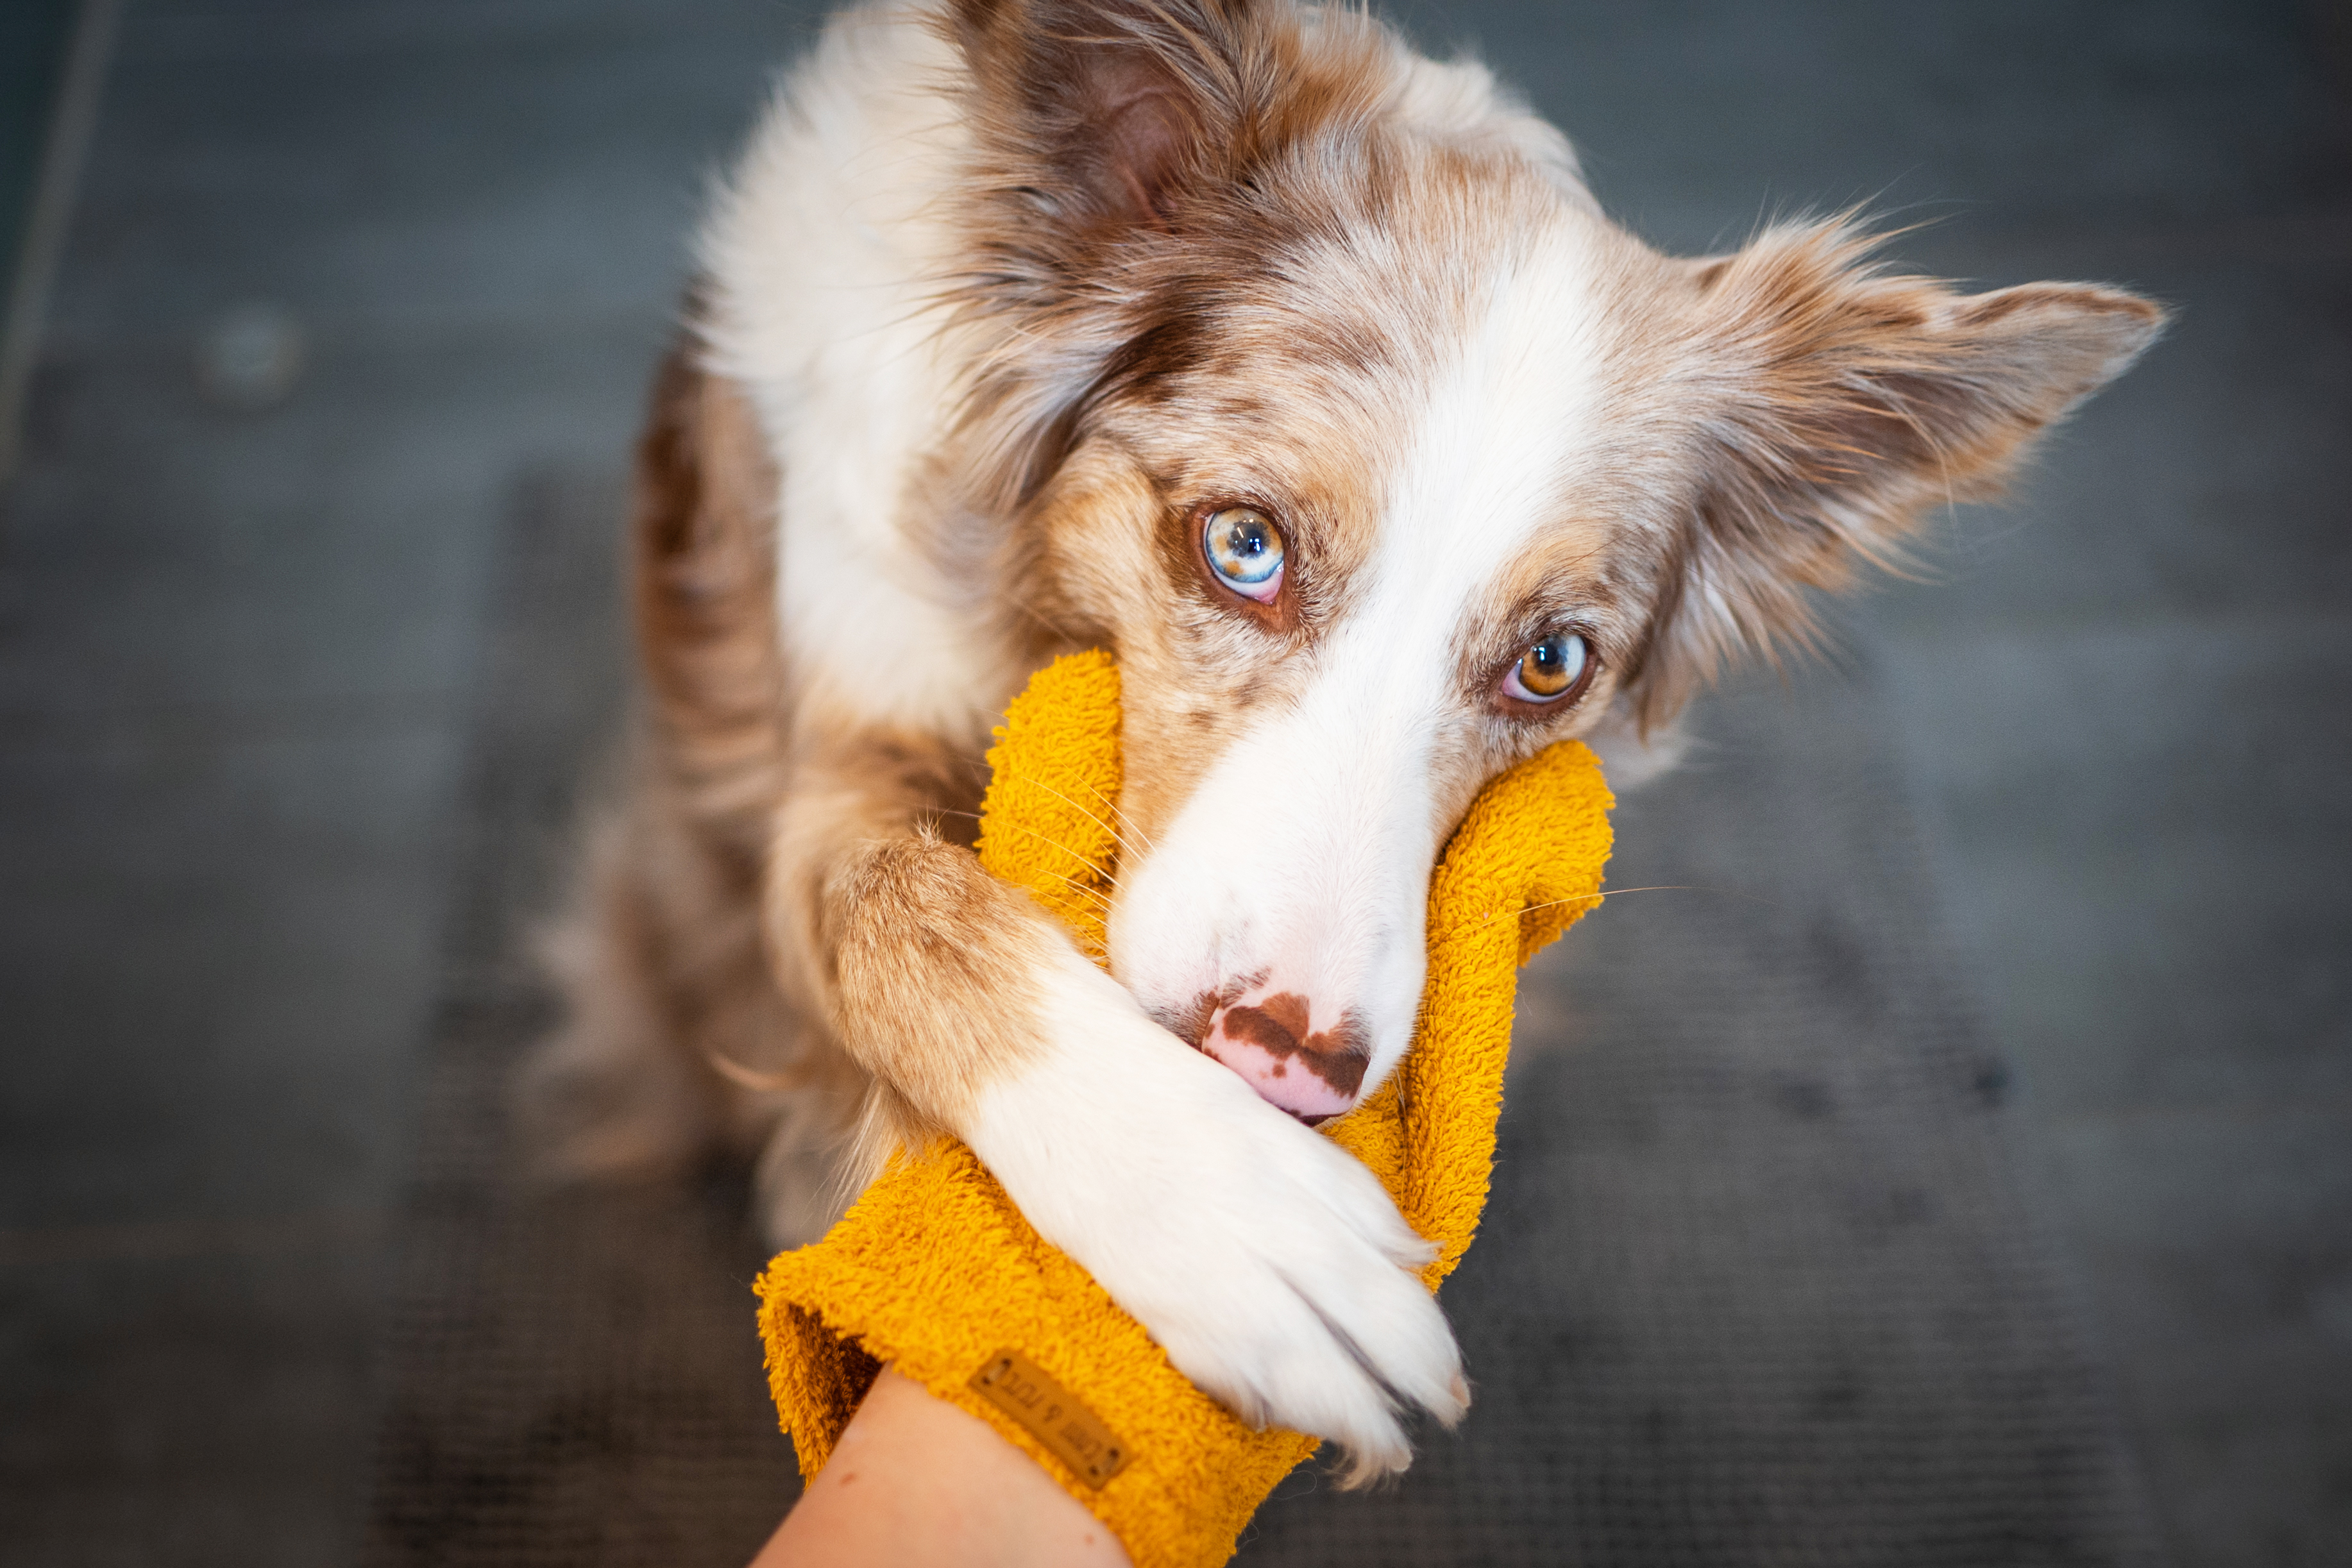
column 1304, row 373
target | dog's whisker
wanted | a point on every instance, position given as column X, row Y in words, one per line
column 1089, row 889
column 1109, row 879
column 1072, row 805
column 1125, row 820
column 753, row 1079
column 1554, row 904
column 1613, row 891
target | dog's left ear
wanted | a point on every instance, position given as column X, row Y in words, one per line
column 1096, row 117
column 1107, row 135
column 1837, row 403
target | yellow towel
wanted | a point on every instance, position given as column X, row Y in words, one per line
column 935, row 1272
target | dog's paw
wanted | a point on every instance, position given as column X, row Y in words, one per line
column 1268, row 1263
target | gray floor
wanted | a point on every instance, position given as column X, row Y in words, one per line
column 33, row 39
column 236, row 646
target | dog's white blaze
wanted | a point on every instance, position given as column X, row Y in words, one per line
column 1324, row 888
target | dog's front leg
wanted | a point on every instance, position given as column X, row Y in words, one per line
column 1268, row 1263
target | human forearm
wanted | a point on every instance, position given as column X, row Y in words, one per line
column 916, row 1480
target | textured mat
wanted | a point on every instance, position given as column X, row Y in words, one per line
column 571, row 1379
column 1757, row 1286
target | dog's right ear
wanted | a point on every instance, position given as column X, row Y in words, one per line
column 1095, row 116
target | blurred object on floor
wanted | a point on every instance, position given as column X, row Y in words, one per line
column 251, row 357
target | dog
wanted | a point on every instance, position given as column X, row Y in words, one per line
column 1304, row 373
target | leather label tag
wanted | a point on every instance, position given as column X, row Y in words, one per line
column 1051, row 1414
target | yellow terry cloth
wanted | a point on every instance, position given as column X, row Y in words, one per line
column 935, row 1272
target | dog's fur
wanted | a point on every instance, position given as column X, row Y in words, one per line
column 1005, row 296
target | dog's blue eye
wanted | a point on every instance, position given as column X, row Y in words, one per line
column 1552, row 669
column 1245, row 550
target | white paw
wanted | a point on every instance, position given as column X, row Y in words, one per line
column 1267, row 1262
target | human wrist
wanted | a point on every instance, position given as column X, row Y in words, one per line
column 915, row 1479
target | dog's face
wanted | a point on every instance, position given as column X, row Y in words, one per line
column 1374, row 538
column 1384, row 461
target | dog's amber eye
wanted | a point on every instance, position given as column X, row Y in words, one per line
column 1245, row 550
column 1552, row 669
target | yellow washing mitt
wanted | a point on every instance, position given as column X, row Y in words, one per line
column 935, row 1272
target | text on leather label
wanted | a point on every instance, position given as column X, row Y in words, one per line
column 1051, row 1414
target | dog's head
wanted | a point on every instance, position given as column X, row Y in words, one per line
column 1328, row 398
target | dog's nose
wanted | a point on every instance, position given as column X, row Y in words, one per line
column 1313, row 1075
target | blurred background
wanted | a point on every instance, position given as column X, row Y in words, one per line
column 319, row 305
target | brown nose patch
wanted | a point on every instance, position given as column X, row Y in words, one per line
column 1277, row 1025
